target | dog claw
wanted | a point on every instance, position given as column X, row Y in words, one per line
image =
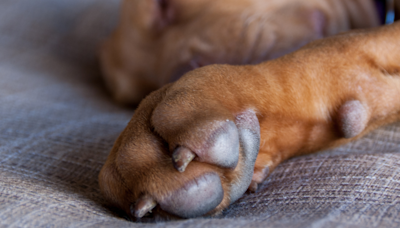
column 253, row 187
column 181, row 158
column 143, row 206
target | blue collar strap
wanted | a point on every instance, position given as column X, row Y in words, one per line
column 385, row 10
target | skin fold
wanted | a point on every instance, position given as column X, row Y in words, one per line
column 240, row 122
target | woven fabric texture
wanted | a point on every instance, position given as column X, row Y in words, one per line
column 57, row 125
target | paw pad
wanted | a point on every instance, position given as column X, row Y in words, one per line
column 352, row 118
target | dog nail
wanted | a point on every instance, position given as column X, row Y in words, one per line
column 181, row 158
column 253, row 187
column 143, row 206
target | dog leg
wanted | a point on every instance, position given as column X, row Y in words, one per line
column 192, row 146
column 354, row 88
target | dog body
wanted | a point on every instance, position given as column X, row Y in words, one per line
column 156, row 42
column 196, row 145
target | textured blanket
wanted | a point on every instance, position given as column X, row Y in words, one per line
column 57, row 125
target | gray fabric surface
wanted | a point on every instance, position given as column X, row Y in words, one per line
column 58, row 125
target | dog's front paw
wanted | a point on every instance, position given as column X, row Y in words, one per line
column 187, row 154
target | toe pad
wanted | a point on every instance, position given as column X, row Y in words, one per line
column 195, row 198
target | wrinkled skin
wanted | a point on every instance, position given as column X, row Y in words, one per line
column 194, row 146
column 157, row 41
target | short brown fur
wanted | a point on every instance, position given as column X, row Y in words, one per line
column 296, row 99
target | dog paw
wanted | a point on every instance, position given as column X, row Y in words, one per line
column 186, row 157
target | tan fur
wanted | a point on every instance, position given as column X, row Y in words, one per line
column 152, row 47
column 296, row 98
